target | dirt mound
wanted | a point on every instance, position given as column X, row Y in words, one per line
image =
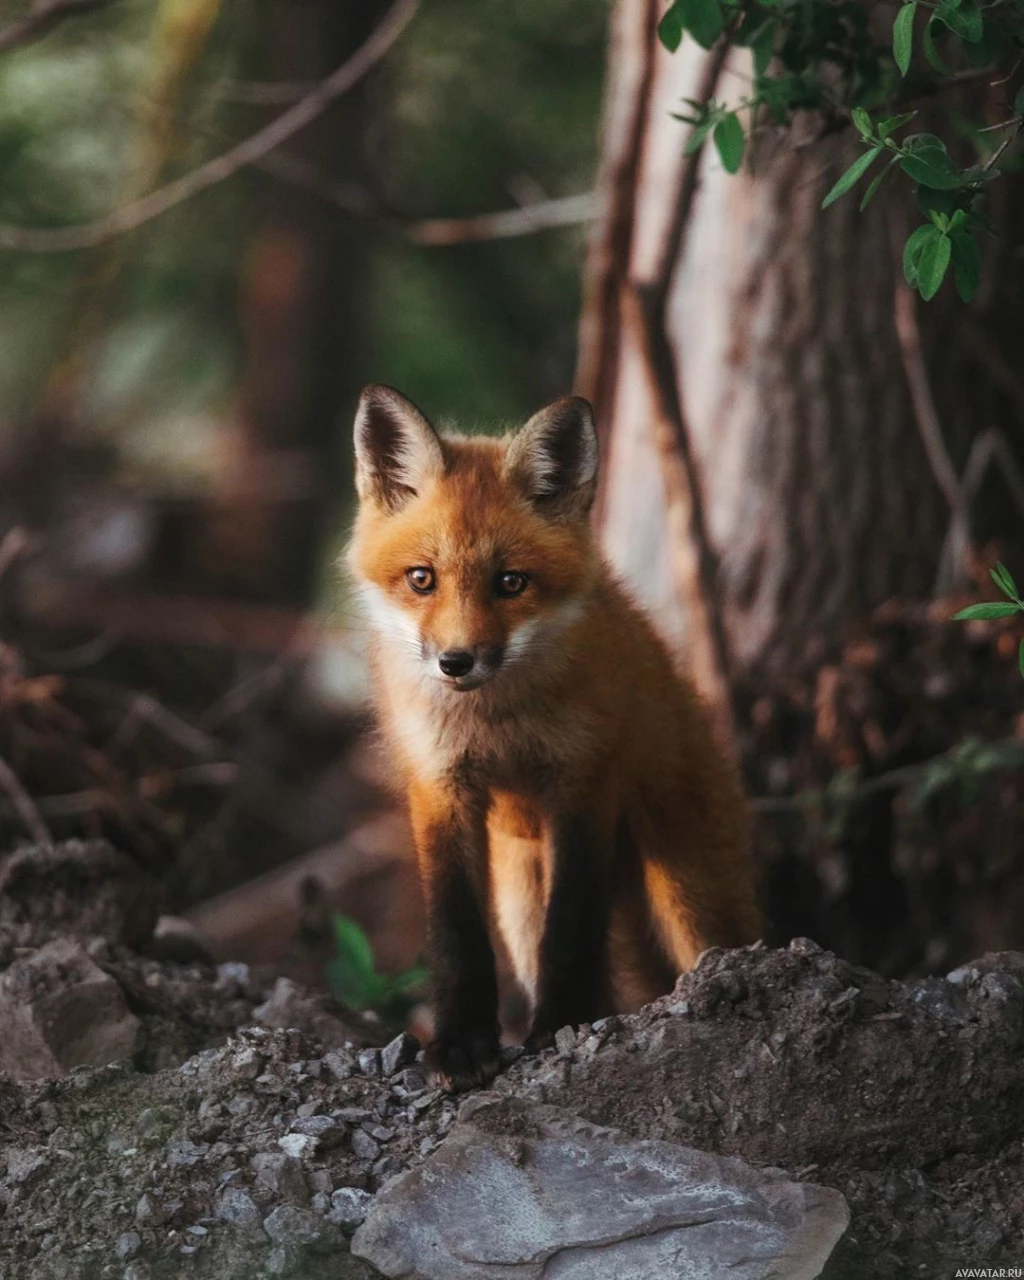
column 259, row 1156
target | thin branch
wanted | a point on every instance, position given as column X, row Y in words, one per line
column 41, row 18
column 649, row 302
column 524, row 220
column 564, row 211
column 925, row 410
column 264, row 93
column 23, row 805
column 249, row 151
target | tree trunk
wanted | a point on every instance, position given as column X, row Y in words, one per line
column 822, row 475
column 303, row 314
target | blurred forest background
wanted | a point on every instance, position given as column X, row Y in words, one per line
column 806, row 470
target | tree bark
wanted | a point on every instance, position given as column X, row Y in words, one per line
column 811, row 471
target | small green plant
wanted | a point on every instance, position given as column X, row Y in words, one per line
column 352, row 975
column 998, row 608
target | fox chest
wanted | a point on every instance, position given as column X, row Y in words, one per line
column 521, row 753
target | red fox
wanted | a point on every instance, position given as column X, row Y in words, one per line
column 563, row 780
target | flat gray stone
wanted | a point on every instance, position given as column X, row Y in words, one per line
column 521, row 1191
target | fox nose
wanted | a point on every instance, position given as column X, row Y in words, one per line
column 456, row 662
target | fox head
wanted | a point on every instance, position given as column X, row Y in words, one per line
column 473, row 555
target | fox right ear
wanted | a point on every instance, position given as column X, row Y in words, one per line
column 397, row 449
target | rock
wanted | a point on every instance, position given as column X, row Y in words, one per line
column 565, row 1040
column 79, row 888
column 369, row 1062
column 128, row 1245
column 530, row 1191
column 400, row 1053
column 349, row 1207
column 301, row 1228
column 292, row 1006
column 59, row 1010
column 178, row 941
column 298, row 1145
column 238, row 1208
column 282, row 1174
column 339, row 1064
column 364, row 1146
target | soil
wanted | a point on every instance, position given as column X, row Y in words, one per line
column 232, row 1149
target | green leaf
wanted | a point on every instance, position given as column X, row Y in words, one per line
column 985, row 612
column 932, row 265
column 912, row 251
column 888, row 127
column 697, row 135
column 862, row 123
column 729, row 140
column 1000, row 575
column 903, row 36
column 931, row 52
column 762, row 49
column 964, row 19
column 1018, row 102
column 932, row 167
column 852, row 176
column 703, row 19
column 671, row 27
column 875, row 183
column 966, row 264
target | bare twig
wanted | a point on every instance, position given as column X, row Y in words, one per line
column 952, row 562
column 42, row 17
column 649, row 303
column 249, row 151
column 23, row 805
column 564, row 211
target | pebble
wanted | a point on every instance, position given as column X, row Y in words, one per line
column 349, row 1207
column 565, row 1039
column 238, row 1208
column 299, row 1145
column 298, row 1227
column 338, row 1064
column 369, row 1062
column 148, row 1210
column 400, row 1053
column 364, row 1146
column 128, row 1245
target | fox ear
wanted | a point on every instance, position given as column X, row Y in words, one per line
column 554, row 458
column 396, row 448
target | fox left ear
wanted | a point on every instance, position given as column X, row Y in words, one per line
column 554, row 458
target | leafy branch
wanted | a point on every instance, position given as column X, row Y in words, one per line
column 823, row 57
column 997, row 608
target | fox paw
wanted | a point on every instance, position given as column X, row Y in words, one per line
column 456, row 1063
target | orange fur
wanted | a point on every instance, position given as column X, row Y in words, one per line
column 585, row 713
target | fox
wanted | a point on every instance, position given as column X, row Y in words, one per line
column 566, row 791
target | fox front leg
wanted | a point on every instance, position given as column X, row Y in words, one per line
column 573, row 985
column 452, row 848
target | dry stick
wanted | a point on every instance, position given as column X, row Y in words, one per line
column 42, row 17
column 249, row 151
column 650, row 304
column 23, row 805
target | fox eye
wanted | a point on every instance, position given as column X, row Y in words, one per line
column 421, row 579
column 511, row 583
